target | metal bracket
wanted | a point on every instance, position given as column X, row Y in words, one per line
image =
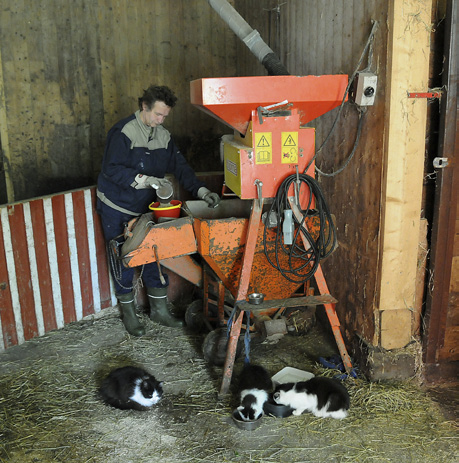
column 259, row 185
column 268, row 110
column 260, row 114
column 440, row 163
column 424, row 94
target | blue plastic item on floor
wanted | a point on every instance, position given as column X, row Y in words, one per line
column 335, row 363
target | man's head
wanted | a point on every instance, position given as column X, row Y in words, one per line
column 157, row 93
column 155, row 104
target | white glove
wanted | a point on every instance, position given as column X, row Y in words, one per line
column 144, row 181
column 212, row 199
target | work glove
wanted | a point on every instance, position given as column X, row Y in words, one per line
column 144, row 181
column 212, row 199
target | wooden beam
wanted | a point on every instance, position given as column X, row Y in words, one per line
column 408, row 71
column 4, row 145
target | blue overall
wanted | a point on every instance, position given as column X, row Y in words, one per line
column 132, row 148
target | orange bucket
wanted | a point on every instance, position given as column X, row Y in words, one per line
column 172, row 211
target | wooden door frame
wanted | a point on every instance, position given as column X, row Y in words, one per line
column 445, row 211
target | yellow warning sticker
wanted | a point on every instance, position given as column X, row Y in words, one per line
column 263, row 148
column 289, row 148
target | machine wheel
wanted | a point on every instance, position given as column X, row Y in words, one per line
column 194, row 316
column 214, row 346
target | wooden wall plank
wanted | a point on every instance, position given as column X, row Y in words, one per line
column 296, row 44
column 310, row 51
column 47, row 90
column 107, row 62
column 348, row 36
column 328, row 41
column 184, row 54
column 305, row 47
column 43, row 123
column 320, row 39
column 21, row 74
column 8, row 194
column 339, row 37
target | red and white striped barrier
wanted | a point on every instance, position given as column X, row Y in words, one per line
column 53, row 265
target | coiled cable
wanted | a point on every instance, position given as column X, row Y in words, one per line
column 303, row 260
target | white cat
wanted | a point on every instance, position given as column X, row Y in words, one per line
column 323, row 397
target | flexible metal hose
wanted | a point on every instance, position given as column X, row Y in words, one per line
column 250, row 37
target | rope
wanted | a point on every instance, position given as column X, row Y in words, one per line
column 116, row 265
column 247, row 339
column 230, row 321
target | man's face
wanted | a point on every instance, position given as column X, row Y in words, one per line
column 156, row 115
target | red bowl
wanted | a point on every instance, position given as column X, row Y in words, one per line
column 172, row 211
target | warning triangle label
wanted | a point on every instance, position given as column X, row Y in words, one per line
column 289, row 141
column 263, row 142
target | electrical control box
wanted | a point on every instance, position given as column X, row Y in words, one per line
column 272, row 149
column 365, row 88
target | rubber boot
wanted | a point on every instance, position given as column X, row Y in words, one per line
column 159, row 312
column 130, row 319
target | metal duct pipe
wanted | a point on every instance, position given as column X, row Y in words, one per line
column 250, row 37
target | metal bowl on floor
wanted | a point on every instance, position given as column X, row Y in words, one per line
column 280, row 411
column 256, row 298
column 245, row 425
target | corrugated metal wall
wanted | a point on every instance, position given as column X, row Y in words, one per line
column 53, row 265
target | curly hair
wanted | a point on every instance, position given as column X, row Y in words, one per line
column 157, row 93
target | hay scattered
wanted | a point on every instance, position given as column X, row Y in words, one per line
column 50, row 410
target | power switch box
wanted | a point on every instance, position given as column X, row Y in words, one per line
column 365, row 88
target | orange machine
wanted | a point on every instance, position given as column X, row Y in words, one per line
column 269, row 145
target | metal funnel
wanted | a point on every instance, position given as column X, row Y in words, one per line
column 231, row 100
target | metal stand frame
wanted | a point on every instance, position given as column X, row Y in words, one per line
column 242, row 306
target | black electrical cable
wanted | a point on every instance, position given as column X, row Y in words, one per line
column 303, row 260
column 368, row 47
column 351, row 155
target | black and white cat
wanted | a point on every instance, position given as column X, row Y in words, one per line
column 323, row 397
column 254, row 386
column 131, row 388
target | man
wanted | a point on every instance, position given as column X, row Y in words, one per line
column 138, row 153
